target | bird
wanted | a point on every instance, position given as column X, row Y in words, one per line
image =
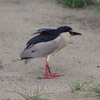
column 45, row 43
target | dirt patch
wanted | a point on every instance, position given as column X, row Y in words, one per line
column 77, row 62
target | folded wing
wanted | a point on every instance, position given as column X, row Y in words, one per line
column 40, row 49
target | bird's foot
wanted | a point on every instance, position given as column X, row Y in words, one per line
column 55, row 75
column 48, row 77
column 51, row 76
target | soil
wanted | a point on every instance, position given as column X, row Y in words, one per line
column 78, row 61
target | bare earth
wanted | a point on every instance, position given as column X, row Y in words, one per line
column 79, row 61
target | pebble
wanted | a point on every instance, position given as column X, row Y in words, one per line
column 98, row 66
column 39, row 78
column 1, row 67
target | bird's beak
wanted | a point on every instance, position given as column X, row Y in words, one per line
column 75, row 33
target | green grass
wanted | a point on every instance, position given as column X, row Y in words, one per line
column 74, row 3
column 97, row 11
column 96, row 90
column 78, row 85
column 30, row 96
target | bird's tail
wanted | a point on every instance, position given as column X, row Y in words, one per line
column 27, row 60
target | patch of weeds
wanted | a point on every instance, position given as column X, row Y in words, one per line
column 75, row 3
column 96, row 90
column 97, row 9
column 75, row 86
column 30, row 96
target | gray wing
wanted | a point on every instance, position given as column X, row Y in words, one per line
column 42, row 30
column 40, row 50
column 43, row 49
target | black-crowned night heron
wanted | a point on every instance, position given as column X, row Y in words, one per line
column 46, row 43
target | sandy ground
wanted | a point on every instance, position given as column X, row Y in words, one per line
column 77, row 62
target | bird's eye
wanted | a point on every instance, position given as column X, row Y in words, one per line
column 70, row 31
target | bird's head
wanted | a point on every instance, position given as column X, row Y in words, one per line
column 63, row 29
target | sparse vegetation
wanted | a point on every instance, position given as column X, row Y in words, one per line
column 96, row 90
column 75, row 86
column 30, row 96
column 78, row 85
column 75, row 3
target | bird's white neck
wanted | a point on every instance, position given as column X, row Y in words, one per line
column 66, row 37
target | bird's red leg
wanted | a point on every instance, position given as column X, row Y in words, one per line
column 48, row 72
column 48, row 68
column 49, row 75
